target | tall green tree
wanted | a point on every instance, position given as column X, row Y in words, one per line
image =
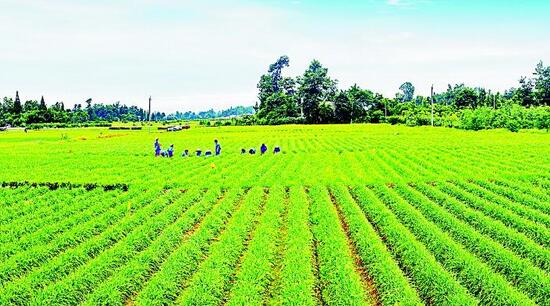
column 42, row 105
column 275, row 71
column 315, row 87
column 17, row 107
column 542, row 84
column 524, row 94
column 406, row 93
column 277, row 93
column 343, row 107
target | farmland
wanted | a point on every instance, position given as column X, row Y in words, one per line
column 344, row 215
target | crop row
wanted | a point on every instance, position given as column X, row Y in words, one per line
column 212, row 281
column 129, row 280
column 341, row 284
column 446, row 242
column 53, row 267
column 467, row 253
column 255, row 273
column 166, row 284
column 74, row 212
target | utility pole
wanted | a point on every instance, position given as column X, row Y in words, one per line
column 149, row 112
column 432, row 99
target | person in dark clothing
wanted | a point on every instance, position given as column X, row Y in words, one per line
column 171, row 150
column 157, row 147
column 263, row 149
column 276, row 150
column 199, row 152
column 208, row 153
column 252, row 151
column 243, row 151
column 185, row 153
column 218, row 148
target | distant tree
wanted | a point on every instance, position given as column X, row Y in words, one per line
column 89, row 110
column 315, row 86
column 465, row 97
column 326, row 112
column 42, row 105
column 17, row 107
column 276, row 93
column 366, row 105
column 30, row 105
column 343, row 107
column 542, row 84
column 509, row 93
column 43, row 111
column 275, row 71
column 407, row 92
column 524, row 94
column 278, row 106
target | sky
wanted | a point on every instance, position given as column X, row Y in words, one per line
column 197, row 55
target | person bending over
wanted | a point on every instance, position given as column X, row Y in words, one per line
column 171, row 150
column 218, row 148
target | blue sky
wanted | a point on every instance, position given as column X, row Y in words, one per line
column 194, row 55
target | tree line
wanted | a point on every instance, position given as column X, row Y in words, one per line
column 212, row 114
column 16, row 113
column 315, row 98
column 33, row 113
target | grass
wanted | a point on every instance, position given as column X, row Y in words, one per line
column 345, row 215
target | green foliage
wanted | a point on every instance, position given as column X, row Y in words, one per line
column 459, row 106
column 316, row 91
column 542, row 84
column 407, row 92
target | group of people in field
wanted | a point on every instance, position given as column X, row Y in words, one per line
column 263, row 150
column 217, row 150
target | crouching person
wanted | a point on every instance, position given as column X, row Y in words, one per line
column 170, row 151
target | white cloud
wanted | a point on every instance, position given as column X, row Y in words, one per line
column 197, row 55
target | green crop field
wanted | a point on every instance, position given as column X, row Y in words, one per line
column 344, row 215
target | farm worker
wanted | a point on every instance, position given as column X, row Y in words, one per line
column 185, row 153
column 171, row 150
column 208, row 153
column 263, row 149
column 199, row 152
column 276, row 150
column 243, row 151
column 218, row 149
column 157, row 147
column 252, row 151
